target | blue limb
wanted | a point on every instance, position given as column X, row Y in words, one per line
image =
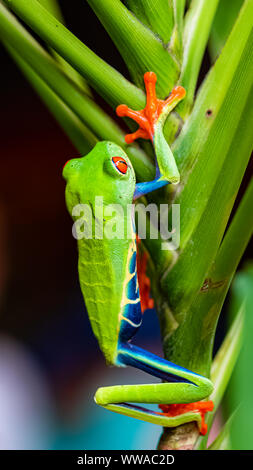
column 148, row 187
column 131, row 355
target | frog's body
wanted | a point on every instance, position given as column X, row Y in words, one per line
column 103, row 264
column 108, row 271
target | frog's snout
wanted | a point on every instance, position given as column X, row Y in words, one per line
column 71, row 167
column 65, row 165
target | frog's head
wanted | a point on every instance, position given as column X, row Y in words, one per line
column 106, row 171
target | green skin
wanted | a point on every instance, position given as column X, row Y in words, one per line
column 104, row 270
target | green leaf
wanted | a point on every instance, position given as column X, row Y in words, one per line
column 82, row 138
column 222, row 441
column 225, row 360
column 202, row 314
column 209, row 303
column 158, row 15
column 225, row 17
column 176, row 43
column 138, row 45
column 53, row 7
column 80, row 104
column 102, row 77
column 179, row 7
column 223, row 366
column 213, row 131
column 241, row 388
column 198, row 23
column 164, row 18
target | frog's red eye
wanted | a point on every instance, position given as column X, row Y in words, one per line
column 120, row 164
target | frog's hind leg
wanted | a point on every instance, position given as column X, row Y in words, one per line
column 180, row 386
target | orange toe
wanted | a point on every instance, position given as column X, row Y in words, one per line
column 147, row 117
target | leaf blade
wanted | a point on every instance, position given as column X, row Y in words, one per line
column 140, row 48
column 83, row 107
column 223, row 366
column 53, row 7
column 102, row 77
column 82, row 138
column 156, row 14
column 225, row 17
column 201, row 151
column 241, row 388
column 198, row 23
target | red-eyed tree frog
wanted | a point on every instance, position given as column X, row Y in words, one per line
column 108, row 271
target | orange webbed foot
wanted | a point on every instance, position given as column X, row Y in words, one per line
column 201, row 407
column 147, row 117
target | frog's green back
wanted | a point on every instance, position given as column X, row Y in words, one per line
column 102, row 262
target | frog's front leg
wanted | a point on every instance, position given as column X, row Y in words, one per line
column 179, row 390
column 151, row 120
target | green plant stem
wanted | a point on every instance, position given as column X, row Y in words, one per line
column 102, row 77
column 241, row 387
column 198, row 23
column 205, row 151
column 156, row 14
column 179, row 6
column 222, row 368
column 231, row 250
column 202, row 315
column 225, row 17
column 138, row 45
column 206, row 311
column 82, row 138
column 186, row 435
column 225, row 359
column 222, row 441
column 176, row 43
column 53, row 7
